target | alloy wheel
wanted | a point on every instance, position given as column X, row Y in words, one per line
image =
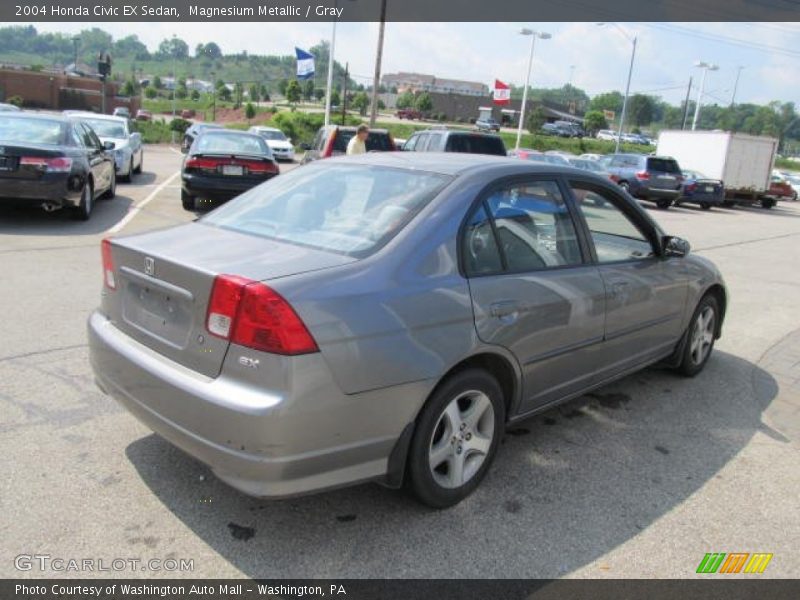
column 461, row 439
column 703, row 335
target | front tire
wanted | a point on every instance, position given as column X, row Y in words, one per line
column 456, row 438
column 705, row 206
column 700, row 336
column 664, row 204
column 138, row 169
column 129, row 175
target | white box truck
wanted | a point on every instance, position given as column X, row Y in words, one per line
column 742, row 162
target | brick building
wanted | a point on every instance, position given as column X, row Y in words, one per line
column 57, row 91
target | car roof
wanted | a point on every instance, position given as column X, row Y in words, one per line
column 219, row 131
column 450, row 163
column 81, row 114
column 264, row 127
column 41, row 116
column 460, row 132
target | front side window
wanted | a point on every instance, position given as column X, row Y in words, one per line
column 615, row 235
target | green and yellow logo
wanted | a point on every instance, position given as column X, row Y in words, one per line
column 734, row 562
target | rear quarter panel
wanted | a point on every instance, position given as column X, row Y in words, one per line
column 402, row 315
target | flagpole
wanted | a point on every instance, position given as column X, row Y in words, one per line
column 330, row 76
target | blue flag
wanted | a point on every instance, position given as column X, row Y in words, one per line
column 305, row 64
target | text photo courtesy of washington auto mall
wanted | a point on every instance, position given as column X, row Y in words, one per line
column 383, row 299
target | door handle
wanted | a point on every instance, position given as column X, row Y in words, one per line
column 504, row 310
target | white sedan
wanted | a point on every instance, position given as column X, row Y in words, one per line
column 277, row 141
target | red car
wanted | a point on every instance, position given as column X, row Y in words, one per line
column 144, row 115
column 408, row 113
column 780, row 189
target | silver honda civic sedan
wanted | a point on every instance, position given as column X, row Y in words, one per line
column 384, row 317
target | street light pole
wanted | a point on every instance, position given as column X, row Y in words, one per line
column 534, row 34
column 706, row 68
column 633, row 40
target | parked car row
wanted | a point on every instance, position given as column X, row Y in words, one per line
column 66, row 161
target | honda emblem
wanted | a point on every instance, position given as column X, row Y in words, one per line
column 149, row 265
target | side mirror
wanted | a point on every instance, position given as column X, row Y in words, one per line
column 136, row 137
column 305, row 146
column 109, row 145
column 674, row 246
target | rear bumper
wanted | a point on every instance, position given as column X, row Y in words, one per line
column 303, row 436
column 651, row 193
column 218, row 187
column 50, row 188
column 703, row 198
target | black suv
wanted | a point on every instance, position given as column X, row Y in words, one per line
column 655, row 178
column 445, row 140
column 333, row 139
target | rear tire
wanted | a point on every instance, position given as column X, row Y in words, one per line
column 456, row 438
column 83, row 211
column 664, row 204
column 187, row 201
column 700, row 336
column 767, row 203
column 705, row 206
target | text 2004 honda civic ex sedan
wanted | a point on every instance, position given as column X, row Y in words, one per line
column 384, row 317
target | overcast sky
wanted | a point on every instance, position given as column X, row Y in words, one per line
column 770, row 52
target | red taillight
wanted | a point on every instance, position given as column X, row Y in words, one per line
column 251, row 314
column 643, row 175
column 108, row 265
column 60, row 164
column 258, row 166
column 690, row 187
column 203, row 163
column 328, row 152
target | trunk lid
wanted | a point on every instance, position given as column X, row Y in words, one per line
column 24, row 162
column 164, row 281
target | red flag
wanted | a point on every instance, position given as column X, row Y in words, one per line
column 502, row 93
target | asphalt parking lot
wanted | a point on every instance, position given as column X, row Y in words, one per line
column 639, row 479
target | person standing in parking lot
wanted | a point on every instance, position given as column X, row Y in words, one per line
column 357, row 144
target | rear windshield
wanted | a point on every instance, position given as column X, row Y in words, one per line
column 663, row 165
column 378, row 141
column 36, row 131
column 268, row 134
column 230, row 143
column 107, row 128
column 476, row 144
column 348, row 209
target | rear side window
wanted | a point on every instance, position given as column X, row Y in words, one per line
column 663, row 165
column 480, row 252
column 476, row 144
column 341, row 139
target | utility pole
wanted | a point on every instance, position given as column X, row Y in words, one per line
column 686, row 104
column 736, row 85
column 378, row 57
column 344, row 91
column 75, row 41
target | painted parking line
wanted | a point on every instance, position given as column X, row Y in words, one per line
column 135, row 209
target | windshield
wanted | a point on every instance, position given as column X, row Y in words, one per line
column 37, row 131
column 109, row 129
column 348, row 209
column 272, row 135
column 229, row 143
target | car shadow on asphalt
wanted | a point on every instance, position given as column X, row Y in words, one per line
column 568, row 486
column 32, row 220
